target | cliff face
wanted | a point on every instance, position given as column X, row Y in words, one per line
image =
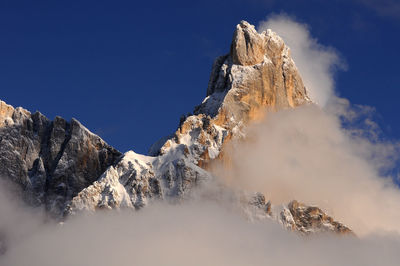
column 70, row 170
column 51, row 161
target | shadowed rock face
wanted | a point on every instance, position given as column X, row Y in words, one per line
column 51, row 161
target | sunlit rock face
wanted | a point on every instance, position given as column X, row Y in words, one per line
column 74, row 170
column 248, row 47
column 51, row 161
column 256, row 76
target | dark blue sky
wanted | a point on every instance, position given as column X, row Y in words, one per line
column 128, row 69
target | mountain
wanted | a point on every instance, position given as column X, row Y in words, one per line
column 68, row 169
column 51, row 161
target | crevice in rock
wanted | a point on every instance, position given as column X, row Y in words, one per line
column 68, row 135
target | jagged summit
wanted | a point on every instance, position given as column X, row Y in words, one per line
column 51, row 161
column 257, row 73
column 68, row 167
column 248, row 47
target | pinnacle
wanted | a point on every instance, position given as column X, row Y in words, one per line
column 245, row 24
column 248, row 47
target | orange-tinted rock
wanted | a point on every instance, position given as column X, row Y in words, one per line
column 310, row 219
column 248, row 46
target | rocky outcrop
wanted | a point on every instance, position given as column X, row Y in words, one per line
column 310, row 219
column 294, row 216
column 51, row 161
column 248, row 47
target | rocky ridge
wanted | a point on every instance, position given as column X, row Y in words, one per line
column 50, row 161
column 257, row 75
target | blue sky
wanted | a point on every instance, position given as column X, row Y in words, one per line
column 128, row 70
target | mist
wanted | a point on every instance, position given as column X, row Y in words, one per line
column 192, row 233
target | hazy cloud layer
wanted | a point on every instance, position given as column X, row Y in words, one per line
column 190, row 234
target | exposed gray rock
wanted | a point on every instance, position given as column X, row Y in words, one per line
column 50, row 160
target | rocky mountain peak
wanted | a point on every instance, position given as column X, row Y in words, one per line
column 51, row 161
column 69, row 169
column 248, row 47
column 257, row 75
column 9, row 115
column 6, row 112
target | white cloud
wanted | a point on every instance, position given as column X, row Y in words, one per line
column 190, row 234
